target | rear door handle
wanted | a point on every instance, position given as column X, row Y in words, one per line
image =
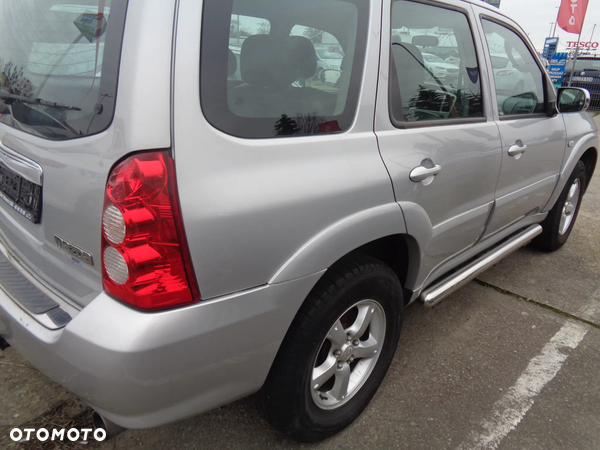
column 421, row 173
column 517, row 149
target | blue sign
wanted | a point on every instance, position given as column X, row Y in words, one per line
column 557, row 68
column 550, row 47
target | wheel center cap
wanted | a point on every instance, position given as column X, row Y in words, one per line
column 347, row 353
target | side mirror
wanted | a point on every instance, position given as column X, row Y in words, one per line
column 331, row 77
column 572, row 99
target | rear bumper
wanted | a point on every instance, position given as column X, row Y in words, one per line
column 141, row 370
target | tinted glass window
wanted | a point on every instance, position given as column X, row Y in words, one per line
column 292, row 69
column 65, row 53
column 435, row 74
column 518, row 78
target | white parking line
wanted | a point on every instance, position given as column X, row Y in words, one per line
column 508, row 412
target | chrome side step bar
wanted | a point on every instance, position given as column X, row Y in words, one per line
column 436, row 293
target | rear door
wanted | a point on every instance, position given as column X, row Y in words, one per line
column 533, row 143
column 435, row 131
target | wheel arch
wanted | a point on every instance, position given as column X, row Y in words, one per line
column 340, row 239
column 590, row 158
column 585, row 151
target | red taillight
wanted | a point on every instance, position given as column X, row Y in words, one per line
column 145, row 258
column 504, row 73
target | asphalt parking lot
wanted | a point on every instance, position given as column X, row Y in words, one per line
column 511, row 361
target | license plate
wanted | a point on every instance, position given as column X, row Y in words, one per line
column 586, row 79
column 22, row 195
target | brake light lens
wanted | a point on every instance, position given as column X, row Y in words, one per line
column 145, row 257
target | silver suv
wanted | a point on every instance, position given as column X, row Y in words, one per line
column 190, row 215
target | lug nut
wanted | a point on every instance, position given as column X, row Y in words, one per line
column 356, row 342
column 340, row 365
column 351, row 360
column 337, row 353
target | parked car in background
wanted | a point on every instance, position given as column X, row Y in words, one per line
column 585, row 74
column 506, row 76
column 187, row 218
column 327, row 60
column 439, row 67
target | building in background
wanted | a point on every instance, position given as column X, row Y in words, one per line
column 495, row 3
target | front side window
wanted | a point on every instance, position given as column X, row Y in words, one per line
column 435, row 73
column 66, row 55
column 518, row 78
column 273, row 68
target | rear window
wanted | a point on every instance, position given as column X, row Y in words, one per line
column 65, row 56
column 272, row 68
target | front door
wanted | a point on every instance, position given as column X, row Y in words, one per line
column 533, row 143
column 434, row 127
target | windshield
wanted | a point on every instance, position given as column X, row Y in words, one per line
column 64, row 52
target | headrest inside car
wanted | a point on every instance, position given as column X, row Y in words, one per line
column 268, row 61
column 303, row 56
column 264, row 61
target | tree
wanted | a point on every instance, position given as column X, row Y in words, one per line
column 315, row 36
column 13, row 80
column 264, row 27
column 286, row 126
column 309, row 123
column 236, row 30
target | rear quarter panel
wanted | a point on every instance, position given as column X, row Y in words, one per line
column 250, row 205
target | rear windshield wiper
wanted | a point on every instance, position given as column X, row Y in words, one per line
column 8, row 98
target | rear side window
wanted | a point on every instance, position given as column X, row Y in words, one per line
column 518, row 78
column 273, row 68
column 65, row 53
column 435, row 73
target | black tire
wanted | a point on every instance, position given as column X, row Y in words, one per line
column 555, row 234
column 287, row 399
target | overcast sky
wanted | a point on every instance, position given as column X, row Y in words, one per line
column 535, row 17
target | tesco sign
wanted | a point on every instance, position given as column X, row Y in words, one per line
column 573, row 44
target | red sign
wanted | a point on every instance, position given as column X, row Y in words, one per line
column 571, row 15
column 573, row 44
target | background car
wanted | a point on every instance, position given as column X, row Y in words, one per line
column 327, row 59
column 586, row 74
column 507, row 77
column 440, row 68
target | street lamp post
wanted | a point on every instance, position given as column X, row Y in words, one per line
column 556, row 23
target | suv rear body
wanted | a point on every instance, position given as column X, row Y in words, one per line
column 278, row 175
